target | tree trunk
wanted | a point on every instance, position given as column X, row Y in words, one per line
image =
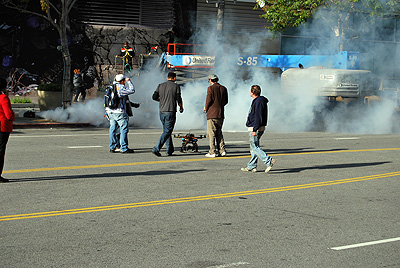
column 341, row 37
column 60, row 21
column 220, row 20
column 66, row 84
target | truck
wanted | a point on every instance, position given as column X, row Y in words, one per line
column 336, row 77
column 333, row 84
column 195, row 61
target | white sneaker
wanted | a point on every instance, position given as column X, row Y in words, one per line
column 210, row 155
column 270, row 166
column 248, row 170
column 223, row 154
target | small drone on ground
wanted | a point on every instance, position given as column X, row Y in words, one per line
column 189, row 142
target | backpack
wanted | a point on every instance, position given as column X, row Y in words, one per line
column 111, row 98
column 89, row 76
column 88, row 81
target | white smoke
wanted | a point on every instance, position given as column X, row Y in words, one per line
column 145, row 84
column 90, row 112
column 287, row 113
column 378, row 118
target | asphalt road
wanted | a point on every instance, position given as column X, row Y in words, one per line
column 331, row 200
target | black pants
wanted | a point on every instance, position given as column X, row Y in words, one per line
column 82, row 91
column 3, row 143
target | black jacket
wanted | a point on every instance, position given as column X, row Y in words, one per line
column 258, row 114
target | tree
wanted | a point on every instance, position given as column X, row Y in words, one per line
column 56, row 12
column 284, row 14
column 287, row 13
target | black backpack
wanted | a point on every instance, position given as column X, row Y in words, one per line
column 88, row 82
column 111, row 98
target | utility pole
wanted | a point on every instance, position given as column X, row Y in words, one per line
column 220, row 4
column 220, row 18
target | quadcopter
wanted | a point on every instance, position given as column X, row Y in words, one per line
column 189, row 142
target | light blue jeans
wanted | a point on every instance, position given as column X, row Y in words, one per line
column 119, row 123
column 257, row 152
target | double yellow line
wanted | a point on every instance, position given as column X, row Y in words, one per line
column 194, row 198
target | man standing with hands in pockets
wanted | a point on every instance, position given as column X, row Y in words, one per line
column 217, row 98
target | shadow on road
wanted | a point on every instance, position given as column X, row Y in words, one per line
column 335, row 166
column 237, row 152
column 108, row 175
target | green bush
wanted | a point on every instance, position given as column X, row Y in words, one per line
column 20, row 100
column 50, row 87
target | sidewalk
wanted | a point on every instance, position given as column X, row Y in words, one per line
column 37, row 122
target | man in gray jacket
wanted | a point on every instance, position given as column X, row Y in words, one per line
column 168, row 94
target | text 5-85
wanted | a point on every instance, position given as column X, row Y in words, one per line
column 249, row 61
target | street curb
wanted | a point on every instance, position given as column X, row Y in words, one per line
column 25, row 105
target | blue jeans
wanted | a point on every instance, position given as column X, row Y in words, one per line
column 168, row 120
column 256, row 151
column 119, row 123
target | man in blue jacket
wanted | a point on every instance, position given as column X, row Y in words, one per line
column 256, row 122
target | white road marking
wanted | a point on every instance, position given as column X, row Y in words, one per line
column 77, row 135
column 367, row 243
column 233, row 142
column 349, row 138
column 229, row 265
column 51, row 135
column 88, row 146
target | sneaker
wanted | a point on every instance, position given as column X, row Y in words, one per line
column 117, row 150
column 129, row 151
column 223, row 154
column 113, row 151
column 156, row 153
column 210, row 155
column 248, row 169
column 270, row 165
column 3, row 180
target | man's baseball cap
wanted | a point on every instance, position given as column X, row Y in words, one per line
column 119, row 77
column 212, row 76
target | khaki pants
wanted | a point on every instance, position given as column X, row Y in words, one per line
column 214, row 133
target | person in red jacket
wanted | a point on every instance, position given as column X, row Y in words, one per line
column 7, row 117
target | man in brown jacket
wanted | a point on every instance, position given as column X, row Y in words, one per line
column 217, row 98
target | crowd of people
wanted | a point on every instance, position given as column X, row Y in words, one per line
column 168, row 95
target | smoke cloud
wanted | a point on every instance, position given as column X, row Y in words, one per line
column 287, row 113
column 90, row 112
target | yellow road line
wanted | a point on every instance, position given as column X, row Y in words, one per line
column 187, row 160
column 194, row 198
